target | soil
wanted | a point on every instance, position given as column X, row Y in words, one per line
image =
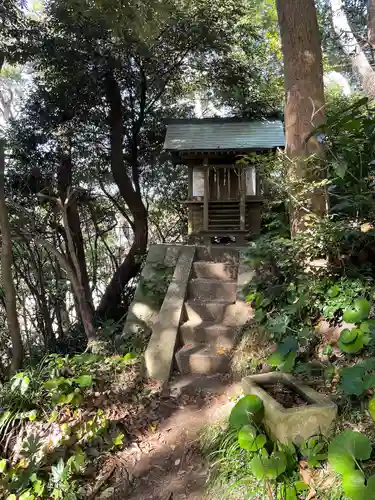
column 284, row 395
column 162, row 460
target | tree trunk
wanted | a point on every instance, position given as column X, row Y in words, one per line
column 371, row 24
column 64, row 177
column 351, row 47
column 6, row 269
column 130, row 267
column 304, row 107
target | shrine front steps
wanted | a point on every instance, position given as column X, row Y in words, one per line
column 214, row 316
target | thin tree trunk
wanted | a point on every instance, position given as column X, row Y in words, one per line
column 130, row 267
column 64, row 177
column 304, row 106
column 351, row 47
column 371, row 24
column 6, row 269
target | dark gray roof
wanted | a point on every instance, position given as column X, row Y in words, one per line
column 223, row 134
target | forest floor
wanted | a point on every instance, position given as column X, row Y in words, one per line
column 163, row 461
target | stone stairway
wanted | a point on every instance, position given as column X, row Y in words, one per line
column 213, row 315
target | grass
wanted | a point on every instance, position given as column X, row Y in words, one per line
column 251, row 352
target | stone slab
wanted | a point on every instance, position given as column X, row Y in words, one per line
column 160, row 350
column 215, row 270
column 212, row 290
column 215, row 334
column 202, row 360
column 292, row 424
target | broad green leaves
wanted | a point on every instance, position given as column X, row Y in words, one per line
column 249, row 440
column 355, row 380
column 247, row 409
column 265, row 466
column 285, row 355
column 346, row 449
column 359, row 312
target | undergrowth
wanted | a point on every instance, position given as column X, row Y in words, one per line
column 50, row 431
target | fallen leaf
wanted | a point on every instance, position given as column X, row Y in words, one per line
column 306, row 478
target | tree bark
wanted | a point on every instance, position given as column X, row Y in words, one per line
column 304, row 106
column 64, row 178
column 6, row 269
column 111, row 300
column 371, row 24
column 351, row 47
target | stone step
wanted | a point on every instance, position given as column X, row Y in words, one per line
column 203, row 360
column 215, row 270
column 198, row 311
column 236, row 314
column 209, row 333
column 212, row 290
column 217, row 253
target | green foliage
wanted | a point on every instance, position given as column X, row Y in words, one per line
column 156, row 287
column 358, row 379
column 353, row 340
column 57, row 388
column 314, row 451
column 248, row 409
column 345, row 453
column 285, row 355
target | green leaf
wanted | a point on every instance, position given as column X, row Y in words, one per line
column 334, row 291
column 301, row 486
column 371, row 408
column 353, row 484
column 129, row 356
column 53, row 417
column 271, row 467
column 54, row 383
column 288, row 364
column 340, row 168
column 11, row 497
column 247, row 409
column 348, row 336
column 288, row 345
column 356, row 346
column 248, row 439
column 3, row 465
column 276, row 359
column 259, row 315
column 369, row 381
column 347, row 447
column 25, row 385
column 363, row 306
column 84, row 380
column 352, row 316
column 32, row 415
column 27, row 495
column 118, row 440
column 246, row 436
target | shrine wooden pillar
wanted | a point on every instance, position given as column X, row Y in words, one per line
column 206, row 194
column 242, row 197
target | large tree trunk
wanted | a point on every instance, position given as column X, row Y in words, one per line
column 351, row 47
column 6, row 270
column 304, row 107
column 112, row 297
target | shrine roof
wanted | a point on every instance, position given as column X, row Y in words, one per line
column 223, row 134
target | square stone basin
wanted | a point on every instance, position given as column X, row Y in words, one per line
column 297, row 413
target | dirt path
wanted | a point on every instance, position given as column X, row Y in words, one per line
column 164, row 463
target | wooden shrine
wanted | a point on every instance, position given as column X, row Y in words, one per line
column 224, row 197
